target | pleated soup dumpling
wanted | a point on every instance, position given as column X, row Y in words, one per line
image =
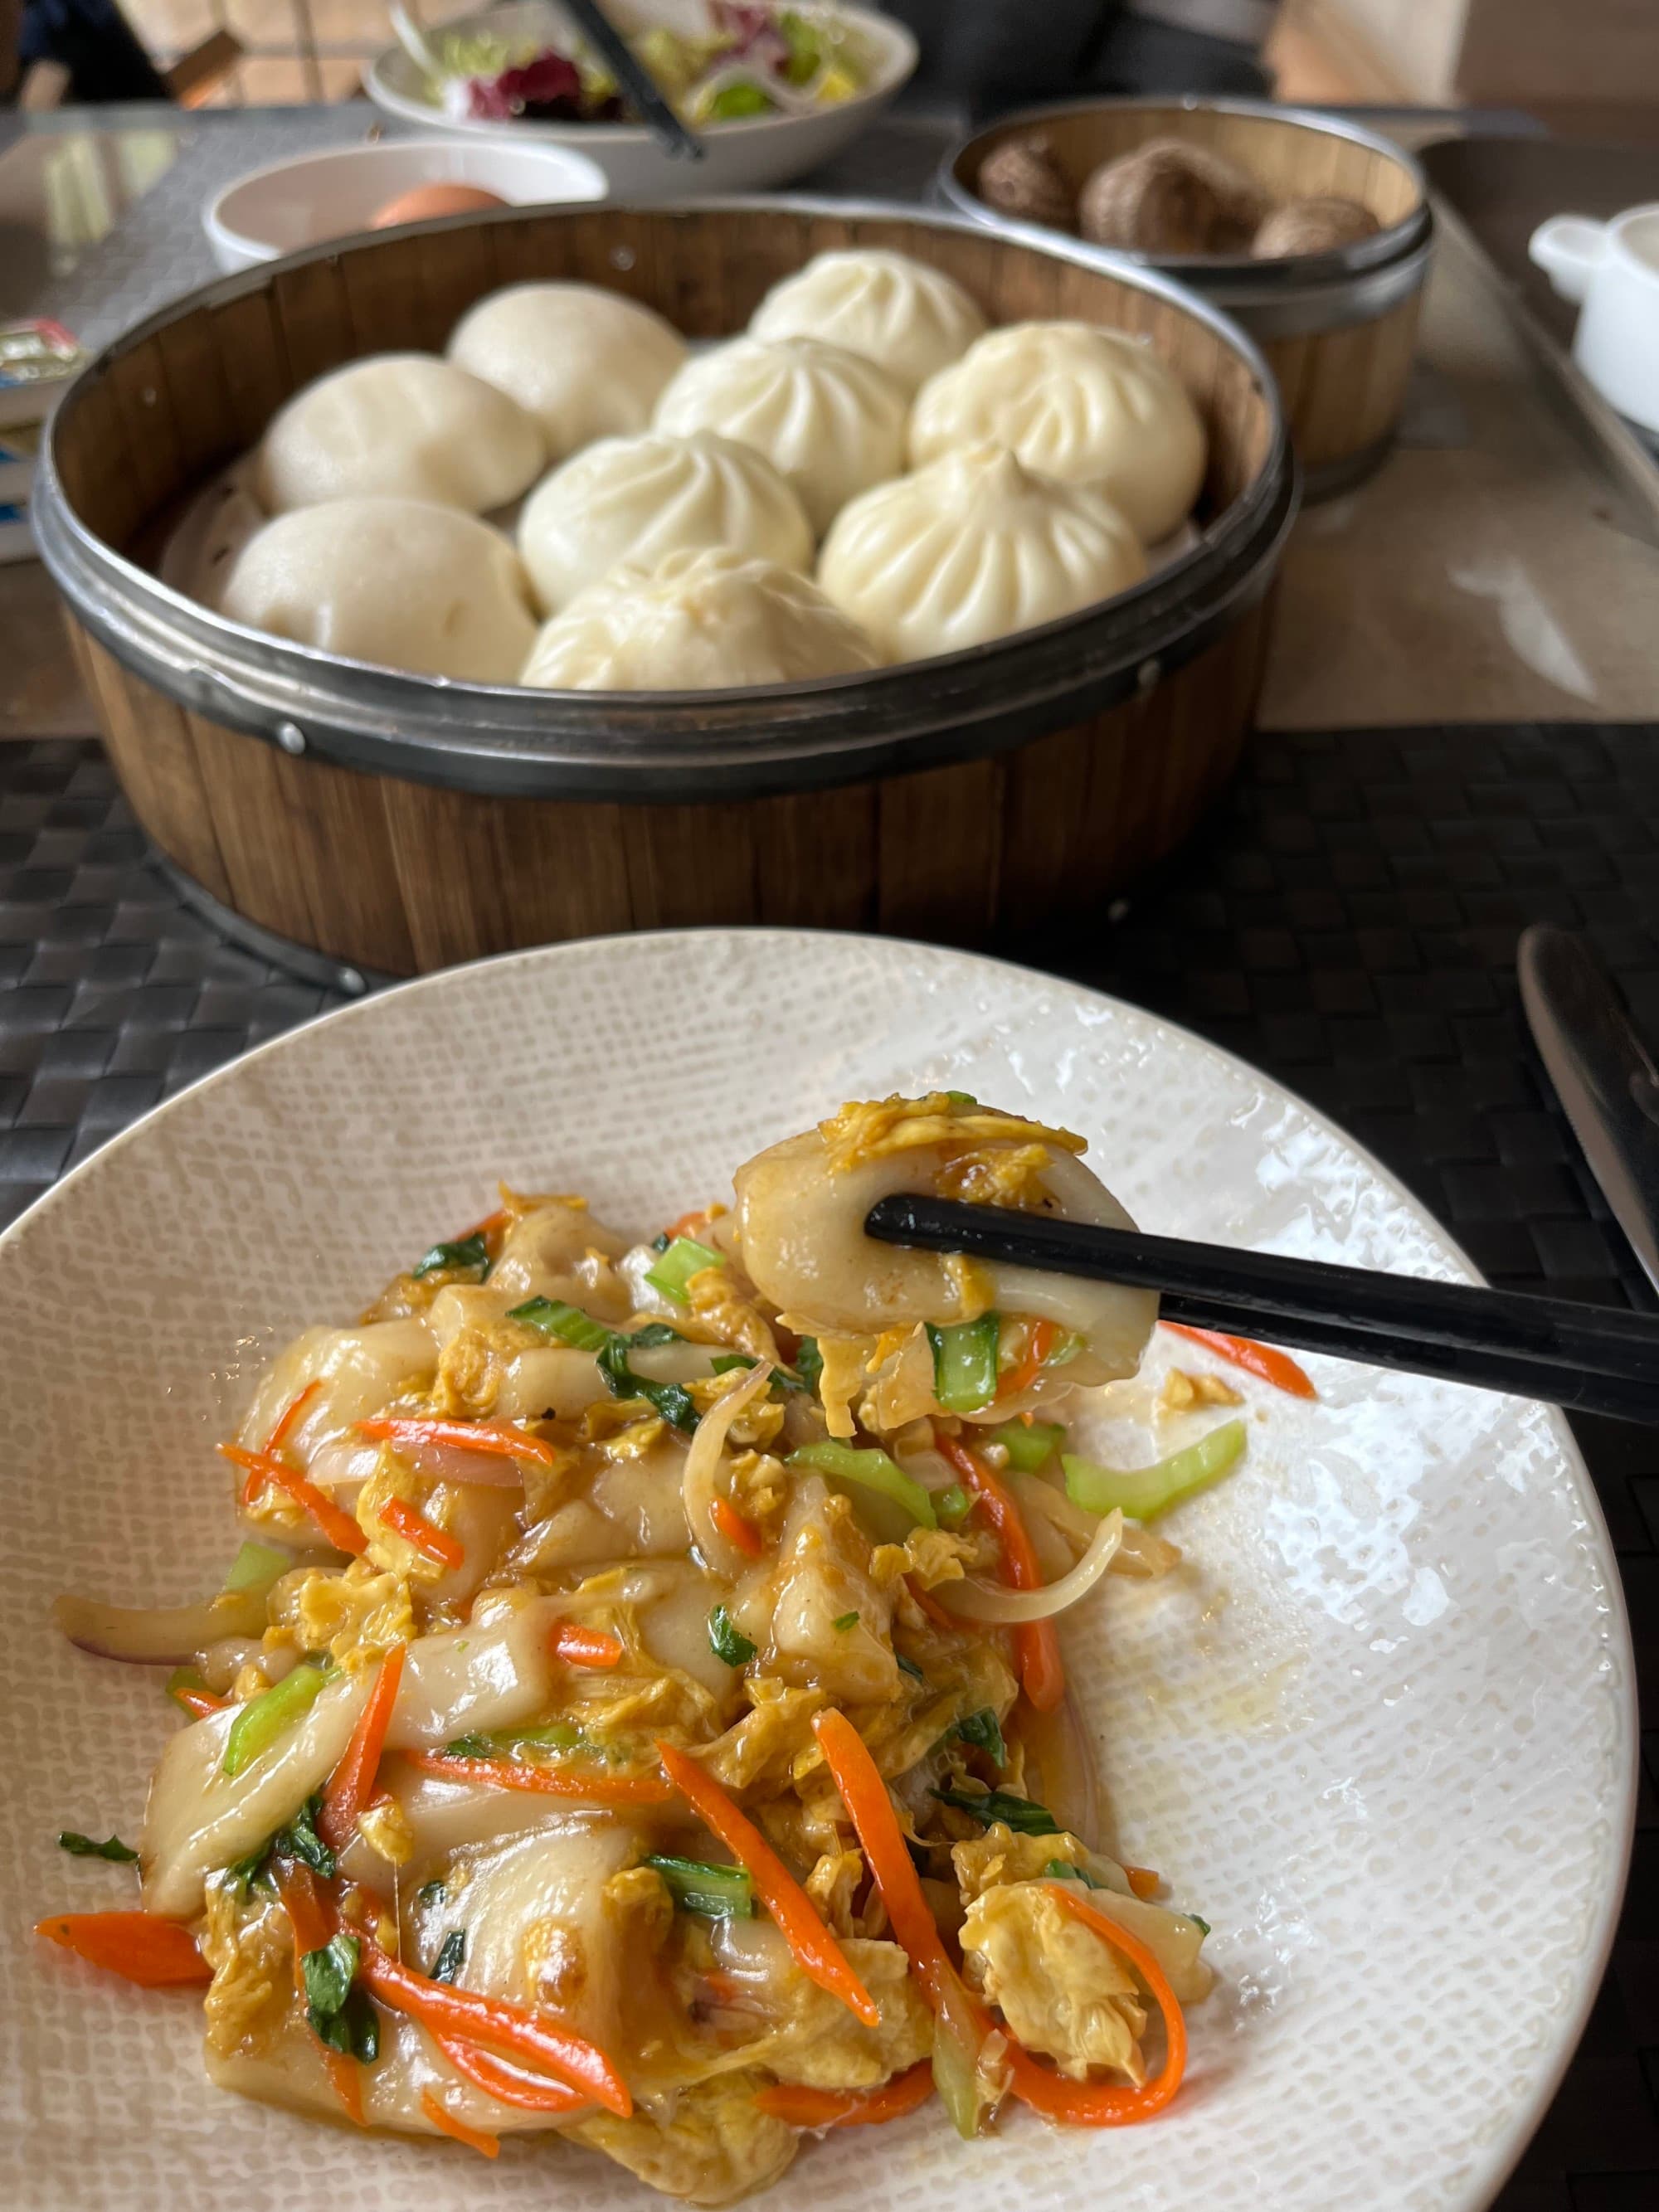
column 399, row 425
column 1073, row 401
column 586, row 363
column 398, row 581
column 638, row 499
column 909, row 318
column 970, row 548
column 828, row 420
column 711, row 620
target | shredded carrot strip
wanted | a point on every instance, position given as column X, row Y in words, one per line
column 423, row 1535
column 491, row 1226
column 157, row 1954
column 1036, row 1646
column 446, row 2123
column 352, row 1782
column 1106, row 2104
column 589, row 1785
column 1143, row 1880
column 499, row 1438
column 1260, row 1360
column 690, row 1223
column 858, row 1778
column 290, row 1413
column 341, row 1530
column 313, row 1926
column 1045, row 1335
column 801, row 2107
column 530, row 2035
column 587, row 1647
column 816, row 1952
column 198, row 1704
column 736, row 1531
column 931, row 1606
column 507, row 2085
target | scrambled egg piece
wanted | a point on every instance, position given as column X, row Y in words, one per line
column 251, row 1955
column 354, row 1614
column 760, row 1490
column 715, row 2146
column 473, row 1364
column 832, row 1885
column 1061, row 1989
column 842, row 1378
column 719, row 1303
column 998, row 1175
column 873, row 1129
column 818, row 2042
column 998, row 1854
column 384, row 1826
column 823, row 1582
column 932, row 1556
column 1181, row 1390
column 763, row 1749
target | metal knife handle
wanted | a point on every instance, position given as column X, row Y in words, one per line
column 1606, row 1079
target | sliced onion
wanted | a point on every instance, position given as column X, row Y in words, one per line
column 1071, row 1780
column 346, row 1459
column 1143, row 1552
column 158, row 1635
column 1009, row 1609
column 697, row 1482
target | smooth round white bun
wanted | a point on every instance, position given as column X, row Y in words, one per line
column 398, row 581
column 586, row 363
column 400, row 425
column 1073, row 401
column 970, row 548
column 830, row 421
column 638, row 499
column 705, row 621
column 909, row 318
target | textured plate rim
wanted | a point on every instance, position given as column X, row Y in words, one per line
column 1567, row 2033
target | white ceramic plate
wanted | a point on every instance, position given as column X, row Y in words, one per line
column 739, row 156
column 289, row 205
column 1380, row 1730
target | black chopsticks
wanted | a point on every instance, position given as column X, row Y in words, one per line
column 1595, row 1358
column 632, row 73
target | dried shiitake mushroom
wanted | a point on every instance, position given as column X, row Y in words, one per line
column 1021, row 178
column 1169, row 198
column 1317, row 225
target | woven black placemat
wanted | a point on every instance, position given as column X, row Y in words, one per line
column 1346, row 919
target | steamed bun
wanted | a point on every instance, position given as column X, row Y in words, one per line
column 1073, row 401
column 909, row 318
column 971, row 547
column 400, row 425
column 586, row 363
column 638, row 499
column 696, row 622
column 830, row 421
column 422, row 588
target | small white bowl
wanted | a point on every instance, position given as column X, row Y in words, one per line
column 306, row 202
column 747, row 154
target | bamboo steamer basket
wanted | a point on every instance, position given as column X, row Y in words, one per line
column 1338, row 330
column 392, row 823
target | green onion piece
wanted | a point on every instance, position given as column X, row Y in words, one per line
column 1142, row 1493
column 654, row 1333
column 727, row 1640
column 964, row 1101
column 965, row 1363
column 1063, row 1870
column 1202, row 1926
column 554, row 1736
column 1066, row 1350
column 874, row 1470
column 82, row 1847
column 952, row 1506
column 988, row 1806
column 741, row 97
column 241, row 1872
column 672, row 1400
column 782, row 1379
column 847, row 1621
column 1028, row 1446
column 661, row 1242
column 299, row 1840
column 329, row 1974
column 271, row 1715
column 984, row 1731
column 719, row 1893
column 433, row 1892
column 684, row 1258
column 464, row 1253
column 909, row 1666
column 185, row 1678
column 452, row 1956
column 256, row 1567
column 809, row 1362
column 553, row 1318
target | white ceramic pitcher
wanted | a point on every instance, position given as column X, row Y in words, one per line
column 1612, row 269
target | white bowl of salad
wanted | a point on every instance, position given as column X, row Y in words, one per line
column 772, row 91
